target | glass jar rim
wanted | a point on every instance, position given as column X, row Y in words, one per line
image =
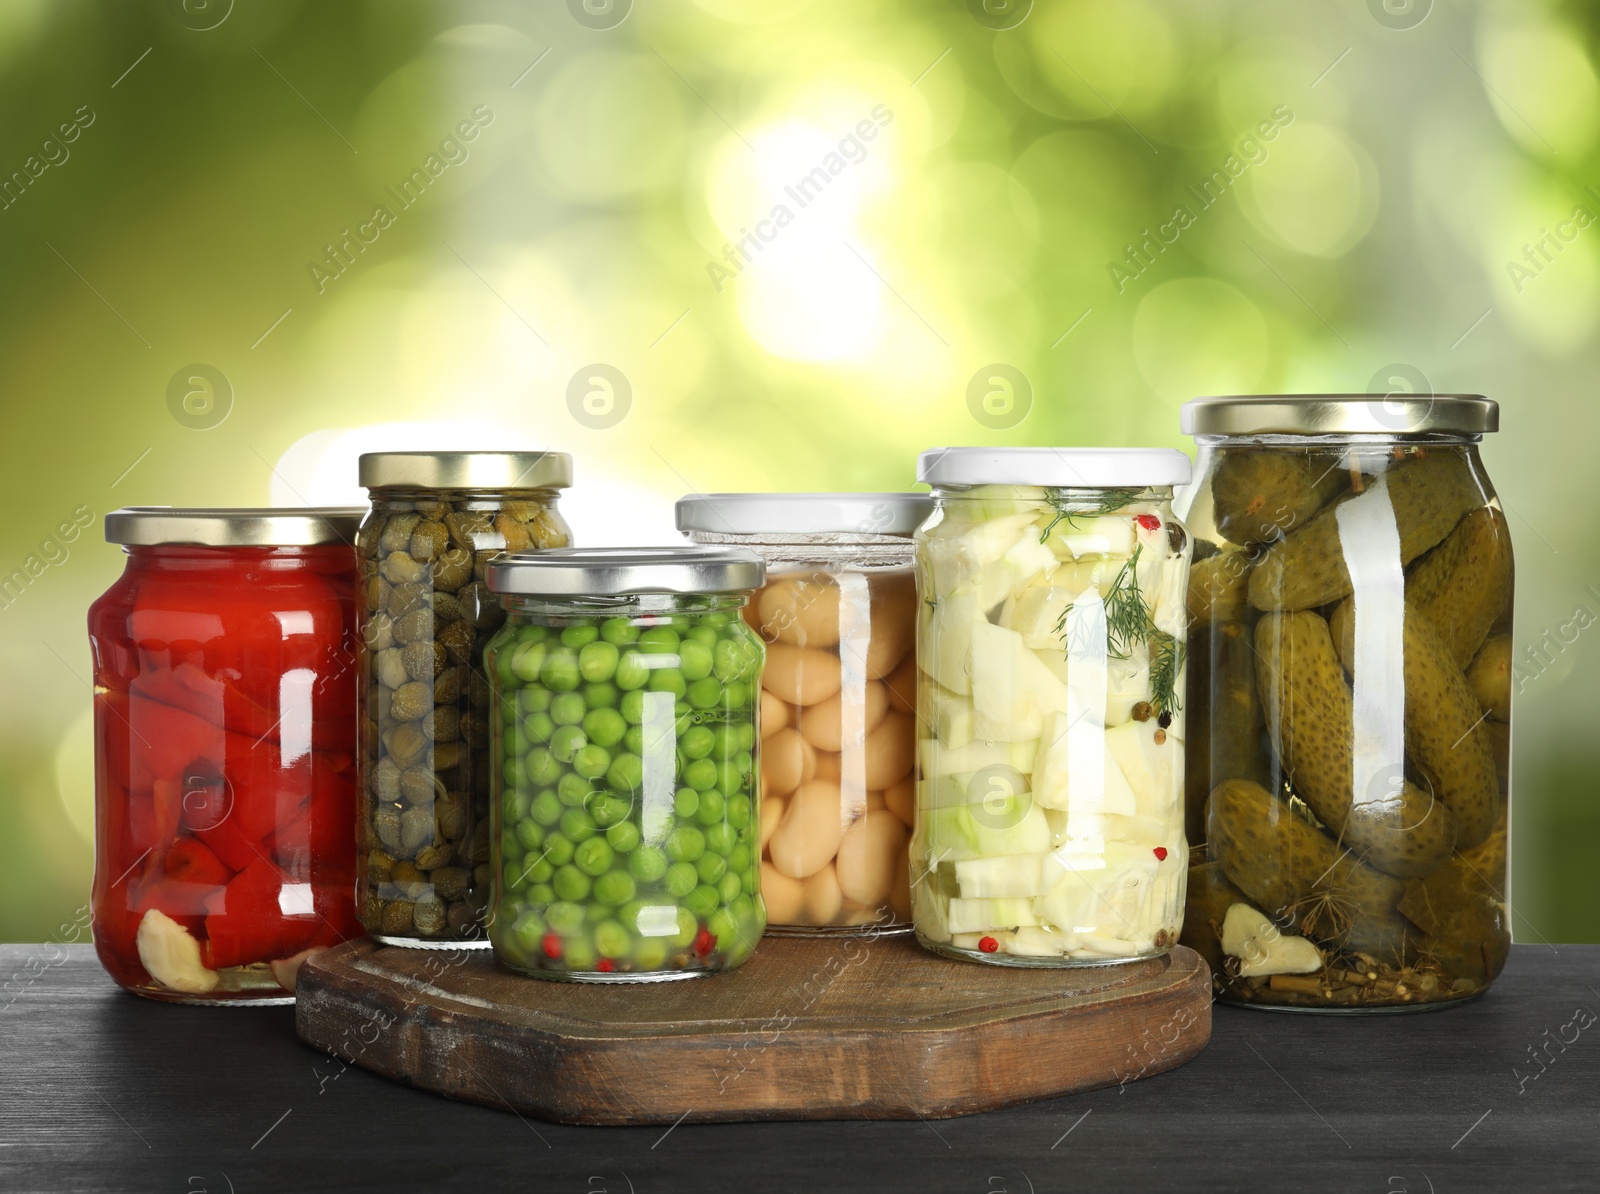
column 618, row 571
column 1055, row 468
column 797, row 514
column 465, row 470
column 1340, row 414
column 261, row 526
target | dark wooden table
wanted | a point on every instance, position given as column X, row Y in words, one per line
column 103, row 1091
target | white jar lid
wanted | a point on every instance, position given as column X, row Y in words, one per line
column 1058, row 468
column 803, row 513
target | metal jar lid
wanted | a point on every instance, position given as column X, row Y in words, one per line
column 1341, row 414
column 616, row 571
column 1058, row 468
column 803, row 513
column 466, row 470
column 268, row 526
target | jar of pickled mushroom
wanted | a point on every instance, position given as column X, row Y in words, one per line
column 838, row 614
column 1350, row 700
column 1051, row 641
column 437, row 520
column 225, row 683
column 626, row 831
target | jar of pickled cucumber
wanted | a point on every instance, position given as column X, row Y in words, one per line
column 626, row 833
column 1349, row 700
column 437, row 519
column 838, row 614
column 1051, row 642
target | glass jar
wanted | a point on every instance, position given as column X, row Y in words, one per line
column 1350, row 695
column 1051, row 639
column 838, row 614
column 624, row 712
column 437, row 520
column 225, row 750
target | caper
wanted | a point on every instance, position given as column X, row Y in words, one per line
column 398, row 567
column 390, row 668
column 480, row 878
column 428, row 540
column 429, row 915
column 452, row 569
column 380, row 867
column 407, row 744
column 450, row 814
column 396, row 535
column 416, row 829
column 544, row 532
column 458, row 640
column 415, row 626
column 478, row 690
column 522, row 511
column 382, row 699
column 475, row 729
column 447, row 685
column 417, row 785
column 423, row 660
column 411, row 700
column 450, row 882
column 377, row 630
column 463, row 921
column 435, row 856
column 386, row 820
column 385, row 780
column 478, row 605
column 478, row 848
column 467, row 525
column 445, row 608
column 396, row 917
column 432, row 511
column 377, row 592
column 407, row 597
column 515, row 533
column 444, row 725
column 445, row 756
column 372, row 909
column 409, row 881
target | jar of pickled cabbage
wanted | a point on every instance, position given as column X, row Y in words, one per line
column 1350, row 700
column 838, row 614
column 626, row 831
column 1051, row 642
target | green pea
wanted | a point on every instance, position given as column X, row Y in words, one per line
column 626, row 773
column 591, row 762
column 564, row 917
column 526, row 662
column 724, row 742
column 721, row 837
column 650, row 953
column 702, row 901
column 743, row 908
column 538, row 727
column 739, row 858
column 604, row 695
column 633, row 740
column 659, row 640
column 705, row 635
column 543, row 768
column 578, row 825
column 608, row 810
column 573, row 790
column 721, row 925
column 546, row 808
column 737, row 809
column 580, row 635
column 605, row 727
column 736, row 695
column 570, row 883
column 704, row 693
column 710, row 867
column 598, row 661
column 593, row 856
column 533, row 700
column 611, row 939
column 618, row 631
column 700, row 775
column 540, row 870
column 558, row 849
column 710, row 810
column 694, row 659
column 681, row 879
column 623, row 837
column 614, row 888
column 559, row 671
column 566, row 742
column 511, row 876
column 747, row 878
column 648, row 864
column 528, row 932
column 631, row 672
column 685, row 844
column 529, row 835
column 685, row 803
column 578, row 953
column 695, row 742
column 514, row 805
column 514, row 772
column 729, row 887
column 508, row 713
column 717, row 618
column 567, row 709
column 632, row 708
column 542, row 894
column 727, row 660
column 668, row 679
column 730, row 776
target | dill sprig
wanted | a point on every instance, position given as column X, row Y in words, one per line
column 1062, row 502
column 1128, row 621
column 1166, row 661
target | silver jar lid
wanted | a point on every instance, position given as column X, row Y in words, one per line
column 1340, row 414
column 803, row 513
column 1057, row 468
column 616, row 571
column 269, row 526
column 465, row 470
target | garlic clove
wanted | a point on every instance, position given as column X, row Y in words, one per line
column 1262, row 948
column 172, row 956
column 286, row 970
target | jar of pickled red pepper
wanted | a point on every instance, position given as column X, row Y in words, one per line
column 1050, row 720
column 437, row 520
column 1350, row 700
column 626, row 829
column 838, row 614
column 225, row 683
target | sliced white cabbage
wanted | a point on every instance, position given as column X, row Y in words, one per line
column 1004, row 825
column 1106, row 534
column 1151, row 769
column 981, row 916
column 936, row 761
column 1010, row 686
column 948, row 658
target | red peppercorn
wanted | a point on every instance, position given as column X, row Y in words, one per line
column 1148, row 521
column 1161, row 853
column 704, row 942
column 988, row 945
column 552, row 945
column 605, row 966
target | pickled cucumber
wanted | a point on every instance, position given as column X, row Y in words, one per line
column 1429, row 494
column 1224, row 719
column 1465, row 917
column 1210, row 895
column 1296, row 874
column 1400, row 831
column 1445, row 737
column 1258, row 495
column 1218, row 588
column 1463, row 584
column 1489, row 677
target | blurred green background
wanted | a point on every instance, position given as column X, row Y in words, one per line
column 715, row 244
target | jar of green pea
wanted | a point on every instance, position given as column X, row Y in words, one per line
column 624, row 687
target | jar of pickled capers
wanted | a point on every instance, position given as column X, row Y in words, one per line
column 437, row 519
column 627, row 835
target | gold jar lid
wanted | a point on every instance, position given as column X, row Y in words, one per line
column 276, row 526
column 1341, row 414
column 466, row 470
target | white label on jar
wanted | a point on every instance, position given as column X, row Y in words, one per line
column 660, row 759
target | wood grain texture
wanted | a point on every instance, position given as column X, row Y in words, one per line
column 807, row 1029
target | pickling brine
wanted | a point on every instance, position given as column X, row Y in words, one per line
column 1051, row 643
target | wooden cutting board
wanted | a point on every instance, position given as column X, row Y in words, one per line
column 808, row 1028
